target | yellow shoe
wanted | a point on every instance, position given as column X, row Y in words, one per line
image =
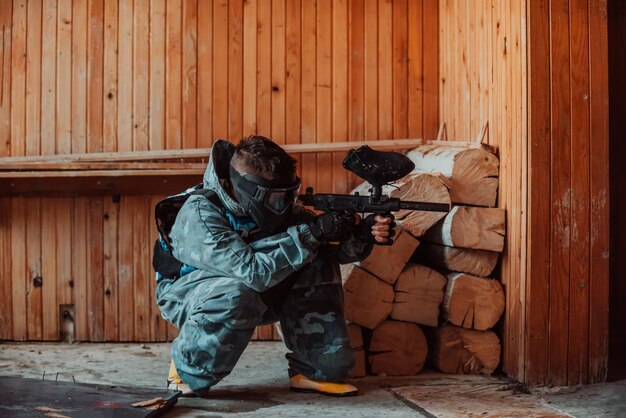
column 299, row 383
column 174, row 382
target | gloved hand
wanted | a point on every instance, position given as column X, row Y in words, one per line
column 377, row 229
column 332, row 227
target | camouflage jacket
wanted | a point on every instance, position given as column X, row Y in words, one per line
column 205, row 237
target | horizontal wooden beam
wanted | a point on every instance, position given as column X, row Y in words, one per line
column 83, row 166
column 91, row 186
column 203, row 153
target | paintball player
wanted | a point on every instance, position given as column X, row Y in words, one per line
column 253, row 257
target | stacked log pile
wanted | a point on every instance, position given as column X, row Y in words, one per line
column 432, row 293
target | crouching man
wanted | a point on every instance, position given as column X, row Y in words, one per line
column 252, row 256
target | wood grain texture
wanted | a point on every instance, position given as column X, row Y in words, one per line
column 599, row 192
column 86, row 76
column 538, row 282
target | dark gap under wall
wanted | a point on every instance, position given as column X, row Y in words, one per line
column 617, row 146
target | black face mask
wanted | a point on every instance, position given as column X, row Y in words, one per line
column 268, row 202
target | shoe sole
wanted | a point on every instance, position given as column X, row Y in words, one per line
column 336, row 395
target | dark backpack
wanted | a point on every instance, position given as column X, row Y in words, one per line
column 165, row 212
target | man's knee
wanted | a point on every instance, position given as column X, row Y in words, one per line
column 230, row 303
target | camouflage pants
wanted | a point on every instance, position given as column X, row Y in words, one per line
column 217, row 316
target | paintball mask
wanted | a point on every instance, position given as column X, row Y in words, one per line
column 266, row 201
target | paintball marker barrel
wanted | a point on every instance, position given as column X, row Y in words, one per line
column 365, row 204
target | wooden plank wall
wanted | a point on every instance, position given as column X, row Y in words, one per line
column 617, row 133
column 117, row 75
column 567, row 321
column 554, row 187
column 483, row 80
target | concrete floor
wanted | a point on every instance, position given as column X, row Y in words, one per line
column 258, row 386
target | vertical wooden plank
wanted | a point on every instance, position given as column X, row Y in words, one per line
column 385, row 69
column 293, row 69
column 173, row 75
column 309, row 100
column 340, row 87
column 356, row 73
column 48, row 77
column 472, row 51
column 33, row 79
column 64, row 76
column 18, row 78
column 6, row 16
column 415, row 99
column 190, row 83
column 141, row 279
column 400, row 68
column 126, row 295
column 599, row 191
column 235, row 70
column 278, row 70
column 249, row 66
column 430, row 59
column 577, row 371
column 521, row 357
column 109, row 106
column 157, row 75
column 323, row 92
column 220, row 60
column 293, row 15
column 370, row 57
column 560, row 191
column 6, row 270
column 141, row 79
column 34, row 309
column 64, row 246
column 264, row 68
column 125, row 77
column 205, row 74
column 538, row 272
column 18, row 268
column 79, row 76
column 95, row 272
column 110, row 267
column 80, row 278
column 442, row 55
column 50, row 306
column 95, row 61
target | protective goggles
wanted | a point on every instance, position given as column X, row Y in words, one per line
column 274, row 197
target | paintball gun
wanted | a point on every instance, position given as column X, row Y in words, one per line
column 379, row 168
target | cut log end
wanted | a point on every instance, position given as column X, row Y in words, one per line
column 462, row 351
column 368, row 300
column 472, row 302
column 419, row 292
column 397, row 349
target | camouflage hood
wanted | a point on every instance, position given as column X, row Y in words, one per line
column 217, row 172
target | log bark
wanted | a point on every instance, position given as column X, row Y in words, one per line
column 462, row 351
column 368, row 300
column 473, row 173
column 387, row 261
column 476, row 262
column 418, row 295
column 472, row 302
column 397, row 349
column 470, row 227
